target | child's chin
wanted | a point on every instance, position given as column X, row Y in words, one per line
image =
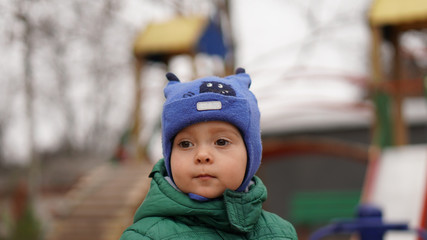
column 210, row 194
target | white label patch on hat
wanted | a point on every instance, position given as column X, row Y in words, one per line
column 211, row 105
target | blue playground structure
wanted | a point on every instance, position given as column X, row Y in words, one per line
column 368, row 224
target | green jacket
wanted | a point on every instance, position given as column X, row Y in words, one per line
column 169, row 214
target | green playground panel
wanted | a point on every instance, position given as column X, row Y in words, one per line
column 319, row 207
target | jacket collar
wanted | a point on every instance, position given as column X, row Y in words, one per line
column 235, row 212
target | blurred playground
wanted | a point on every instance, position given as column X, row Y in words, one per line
column 343, row 98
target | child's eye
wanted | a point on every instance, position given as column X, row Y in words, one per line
column 185, row 144
column 222, row 142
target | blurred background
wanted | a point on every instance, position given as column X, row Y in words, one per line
column 340, row 86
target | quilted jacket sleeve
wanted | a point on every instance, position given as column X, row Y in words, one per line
column 271, row 226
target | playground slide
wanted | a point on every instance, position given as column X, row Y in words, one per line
column 398, row 186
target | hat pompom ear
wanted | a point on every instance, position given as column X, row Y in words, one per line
column 172, row 77
column 172, row 80
column 240, row 70
column 244, row 80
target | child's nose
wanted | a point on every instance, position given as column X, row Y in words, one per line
column 203, row 155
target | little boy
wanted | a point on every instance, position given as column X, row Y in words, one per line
column 205, row 187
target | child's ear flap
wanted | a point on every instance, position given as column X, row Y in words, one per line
column 172, row 77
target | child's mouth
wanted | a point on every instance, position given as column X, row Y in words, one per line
column 205, row 176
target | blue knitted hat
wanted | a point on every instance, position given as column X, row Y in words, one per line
column 213, row 99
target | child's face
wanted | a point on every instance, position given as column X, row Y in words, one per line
column 207, row 158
